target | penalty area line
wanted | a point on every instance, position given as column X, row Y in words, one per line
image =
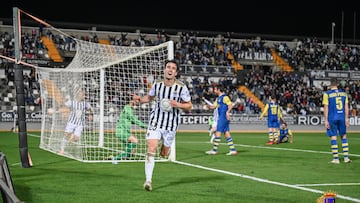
column 264, row 180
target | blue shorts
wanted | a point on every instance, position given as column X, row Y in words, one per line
column 223, row 126
column 337, row 127
column 273, row 124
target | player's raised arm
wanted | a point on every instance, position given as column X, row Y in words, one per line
column 144, row 99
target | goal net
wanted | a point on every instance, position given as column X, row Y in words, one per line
column 106, row 75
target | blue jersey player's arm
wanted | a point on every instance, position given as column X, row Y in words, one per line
column 264, row 111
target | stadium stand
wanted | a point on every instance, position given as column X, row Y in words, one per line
column 297, row 70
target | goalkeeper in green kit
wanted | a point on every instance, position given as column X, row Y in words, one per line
column 127, row 118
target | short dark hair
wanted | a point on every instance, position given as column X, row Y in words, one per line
column 175, row 62
column 333, row 82
column 273, row 96
column 221, row 87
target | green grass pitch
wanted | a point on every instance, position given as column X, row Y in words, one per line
column 283, row 173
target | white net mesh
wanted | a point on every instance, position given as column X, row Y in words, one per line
column 107, row 75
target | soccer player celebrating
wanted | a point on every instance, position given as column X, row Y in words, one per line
column 336, row 112
column 273, row 112
column 74, row 127
column 164, row 121
column 224, row 106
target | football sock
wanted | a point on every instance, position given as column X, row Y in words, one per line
column 149, row 166
column 230, row 143
column 275, row 137
column 64, row 142
column 130, row 147
column 270, row 136
column 216, row 143
column 212, row 138
column 345, row 147
column 334, row 149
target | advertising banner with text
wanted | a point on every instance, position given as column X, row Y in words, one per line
column 191, row 119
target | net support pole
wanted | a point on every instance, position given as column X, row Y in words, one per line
column 170, row 48
column 20, row 93
column 102, row 107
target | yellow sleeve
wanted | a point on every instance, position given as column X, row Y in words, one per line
column 264, row 111
column 290, row 132
column 280, row 113
column 227, row 100
column 325, row 99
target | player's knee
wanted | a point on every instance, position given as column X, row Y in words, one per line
column 150, row 154
column 164, row 152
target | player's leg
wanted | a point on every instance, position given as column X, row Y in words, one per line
column 165, row 151
column 168, row 139
column 344, row 142
column 270, row 133
column 152, row 140
column 130, row 146
column 125, row 136
column 75, row 137
column 67, row 134
column 283, row 139
column 345, row 148
column 332, row 133
column 334, row 149
column 213, row 131
column 230, row 143
column 277, row 138
column 216, row 143
column 220, row 128
column 270, row 136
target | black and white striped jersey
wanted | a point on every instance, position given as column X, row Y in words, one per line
column 162, row 119
column 77, row 111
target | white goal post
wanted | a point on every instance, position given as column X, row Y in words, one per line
column 107, row 75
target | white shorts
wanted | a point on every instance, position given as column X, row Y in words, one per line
column 72, row 128
column 166, row 136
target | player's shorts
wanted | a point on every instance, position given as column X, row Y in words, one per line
column 284, row 138
column 166, row 136
column 273, row 124
column 337, row 127
column 223, row 126
column 72, row 128
column 214, row 125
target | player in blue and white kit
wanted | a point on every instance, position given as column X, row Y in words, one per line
column 336, row 112
column 274, row 115
column 285, row 135
column 224, row 106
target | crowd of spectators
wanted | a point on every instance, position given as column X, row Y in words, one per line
column 297, row 92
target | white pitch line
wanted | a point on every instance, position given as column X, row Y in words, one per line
column 265, row 180
column 328, row 184
column 276, row 148
column 291, row 149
